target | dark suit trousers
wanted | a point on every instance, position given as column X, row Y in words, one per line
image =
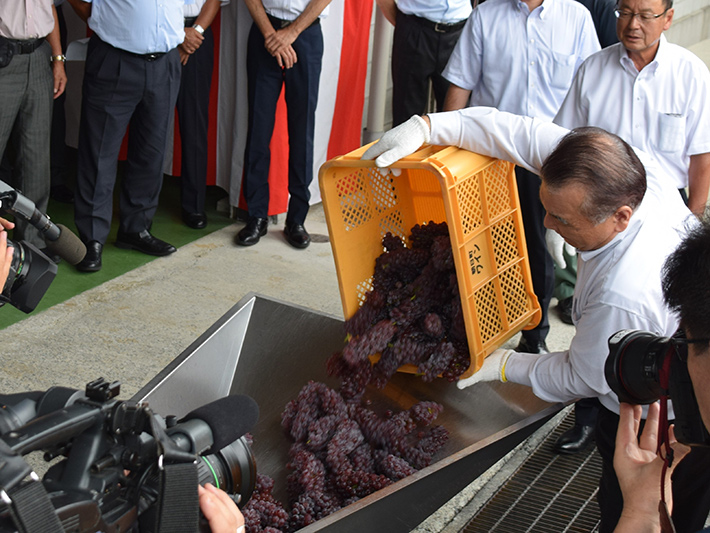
column 122, row 90
column 193, row 105
column 26, row 86
column 542, row 267
column 265, row 80
column 419, row 54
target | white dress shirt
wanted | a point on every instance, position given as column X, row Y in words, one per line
column 664, row 110
column 289, row 9
column 139, row 26
column 444, row 11
column 618, row 285
column 519, row 61
column 26, row 19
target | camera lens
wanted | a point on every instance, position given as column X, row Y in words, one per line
column 233, row 469
column 633, row 366
column 31, row 273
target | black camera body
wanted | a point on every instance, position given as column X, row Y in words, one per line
column 643, row 367
column 115, row 455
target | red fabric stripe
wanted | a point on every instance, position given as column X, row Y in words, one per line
column 346, row 130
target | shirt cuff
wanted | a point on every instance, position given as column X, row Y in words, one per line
column 519, row 366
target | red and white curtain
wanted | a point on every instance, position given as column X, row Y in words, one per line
column 346, row 33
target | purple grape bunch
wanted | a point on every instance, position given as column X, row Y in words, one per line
column 412, row 315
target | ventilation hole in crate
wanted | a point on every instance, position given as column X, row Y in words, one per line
column 469, row 200
column 497, row 187
column 489, row 321
column 515, row 297
column 394, row 223
column 505, row 242
column 354, row 205
column 382, row 188
column 362, row 289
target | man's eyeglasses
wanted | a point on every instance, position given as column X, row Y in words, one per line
column 681, row 345
column 643, row 17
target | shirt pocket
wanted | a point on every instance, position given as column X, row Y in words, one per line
column 671, row 132
column 562, row 70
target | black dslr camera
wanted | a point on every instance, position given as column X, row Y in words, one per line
column 122, row 468
column 643, row 367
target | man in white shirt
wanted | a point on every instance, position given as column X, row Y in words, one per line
column 520, row 56
column 425, row 34
column 653, row 94
column 31, row 75
column 284, row 49
column 193, row 104
column 656, row 96
column 614, row 206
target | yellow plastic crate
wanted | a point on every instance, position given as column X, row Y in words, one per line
column 477, row 197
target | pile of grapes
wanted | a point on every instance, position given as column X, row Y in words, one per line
column 341, row 450
column 412, row 315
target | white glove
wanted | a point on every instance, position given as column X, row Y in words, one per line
column 493, row 369
column 399, row 142
column 556, row 245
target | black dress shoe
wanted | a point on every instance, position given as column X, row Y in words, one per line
column 564, row 308
column 254, row 230
column 194, row 220
column 144, row 242
column 575, row 440
column 526, row 346
column 297, row 236
column 92, row 259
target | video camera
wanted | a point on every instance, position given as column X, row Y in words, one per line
column 124, row 468
column 32, row 271
column 642, row 368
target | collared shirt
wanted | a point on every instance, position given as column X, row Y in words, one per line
column 289, row 9
column 192, row 8
column 519, row 61
column 26, row 19
column 139, row 26
column 618, row 285
column 663, row 110
column 445, row 11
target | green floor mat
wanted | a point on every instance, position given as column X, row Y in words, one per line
column 167, row 225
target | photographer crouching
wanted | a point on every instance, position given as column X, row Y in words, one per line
column 642, row 470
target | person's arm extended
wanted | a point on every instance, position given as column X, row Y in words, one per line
column 456, row 98
column 82, row 9
column 389, row 10
column 698, row 182
column 484, row 130
column 58, row 72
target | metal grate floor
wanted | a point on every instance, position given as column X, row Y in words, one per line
column 547, row 493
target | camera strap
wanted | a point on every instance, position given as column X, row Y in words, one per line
column 664, row 444
column 27, row 502
column 177, row 507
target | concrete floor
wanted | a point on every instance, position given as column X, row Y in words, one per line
column 130, row 328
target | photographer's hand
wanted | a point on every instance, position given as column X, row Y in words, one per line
column 639, row 468
column 5, row 252
column 220, row 510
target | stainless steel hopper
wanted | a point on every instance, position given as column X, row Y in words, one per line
column 269, row 350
